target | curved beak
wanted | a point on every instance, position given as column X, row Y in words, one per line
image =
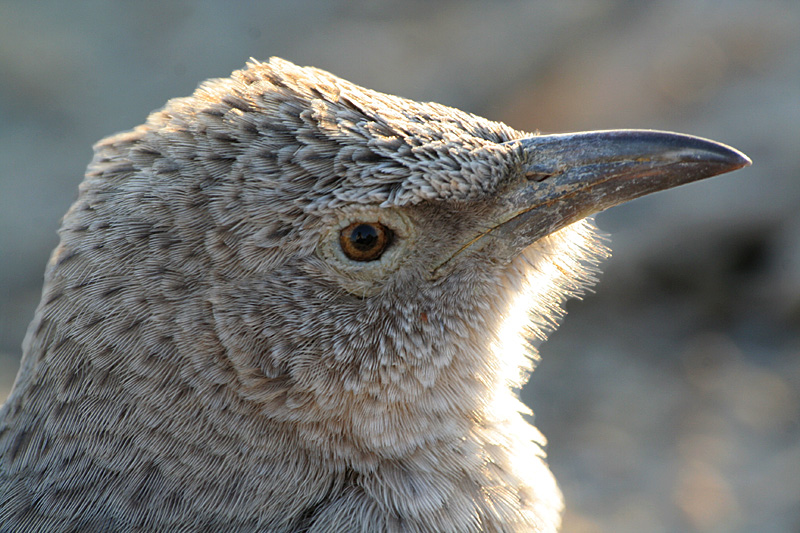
column 567, row 177
column 571, row 176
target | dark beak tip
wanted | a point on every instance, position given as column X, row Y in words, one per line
column 726, row 159
column 729, row 157
column 715, row 157
column 741, row 161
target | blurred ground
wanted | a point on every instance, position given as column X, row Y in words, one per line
column 671, row 396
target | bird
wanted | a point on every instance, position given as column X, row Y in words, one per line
column 290, row 303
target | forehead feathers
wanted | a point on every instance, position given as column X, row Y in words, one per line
column 319, row 142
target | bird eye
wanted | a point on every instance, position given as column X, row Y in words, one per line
column 365, row 241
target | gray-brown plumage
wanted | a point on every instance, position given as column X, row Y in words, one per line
column 287, row 303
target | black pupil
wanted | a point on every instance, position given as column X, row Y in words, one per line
column 364, row 237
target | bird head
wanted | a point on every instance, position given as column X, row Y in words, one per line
column 361, row 267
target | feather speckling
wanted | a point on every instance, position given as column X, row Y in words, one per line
column 199, row 361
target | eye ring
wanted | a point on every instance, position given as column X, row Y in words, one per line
column 365, row 241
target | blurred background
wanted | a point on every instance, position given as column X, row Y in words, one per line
column 671, row 395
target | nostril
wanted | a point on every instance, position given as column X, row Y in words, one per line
column 541, row 171
column 533, row 175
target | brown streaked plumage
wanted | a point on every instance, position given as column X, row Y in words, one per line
column 288, row 303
